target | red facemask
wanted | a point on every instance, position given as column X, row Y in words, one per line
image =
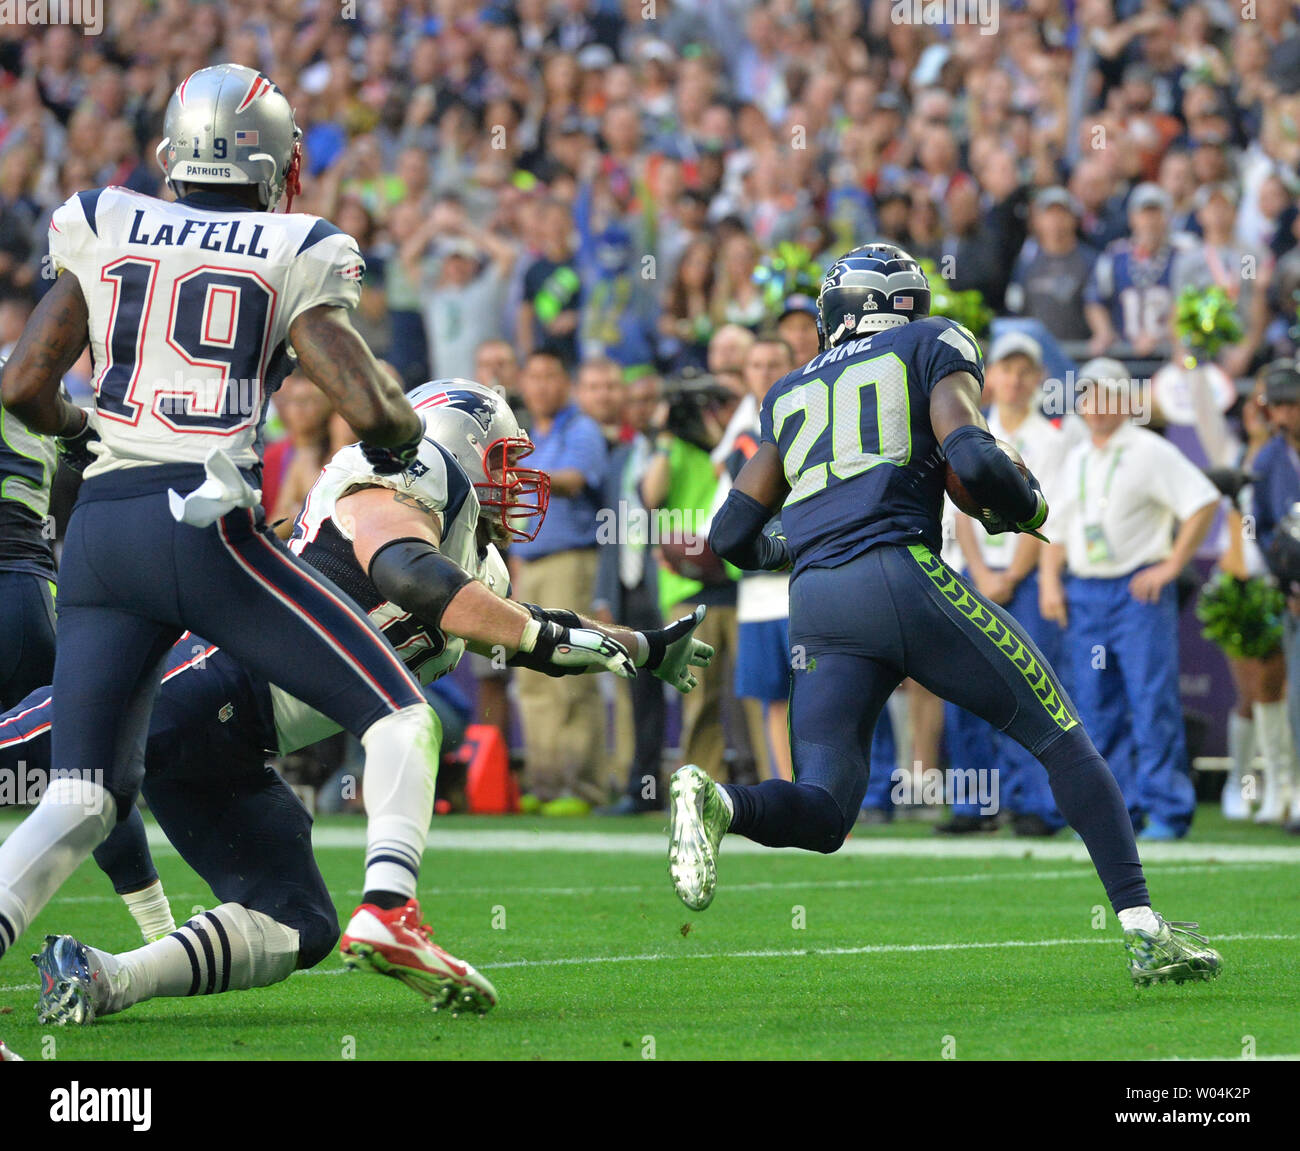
column 521, row 495
column 293, row 178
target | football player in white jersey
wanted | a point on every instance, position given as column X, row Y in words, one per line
column 194, row 312
column 206, row 779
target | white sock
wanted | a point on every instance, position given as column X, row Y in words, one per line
column 151, row 911
column 726, row 802
column 73, row 818
column 1273, row 732
column 401, row 773
column 1241, row 743
column 1139, row 919
column 227, row 949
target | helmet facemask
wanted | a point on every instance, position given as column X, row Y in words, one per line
column 515, row 498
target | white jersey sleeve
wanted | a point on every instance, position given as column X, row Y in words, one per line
column 72, row 236
column 328, row 271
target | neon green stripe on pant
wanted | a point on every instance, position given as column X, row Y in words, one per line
column 1004, row 639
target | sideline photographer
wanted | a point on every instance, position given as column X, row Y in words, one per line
column 678, row 485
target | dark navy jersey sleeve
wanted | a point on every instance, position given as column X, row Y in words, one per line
column 938, row 347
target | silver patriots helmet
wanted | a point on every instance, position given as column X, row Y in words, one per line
column 231, row 125
column 478, row 428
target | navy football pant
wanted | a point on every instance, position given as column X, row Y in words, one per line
column 133, row 580
column 856, row 631
column 232, row 818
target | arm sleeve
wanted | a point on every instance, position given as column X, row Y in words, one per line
column 737, row 535
column 989, row 475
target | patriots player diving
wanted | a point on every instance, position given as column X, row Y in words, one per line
column 228, row 814
column 852, row 452
column 194, row 312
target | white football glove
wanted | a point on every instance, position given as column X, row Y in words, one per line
column 548, row 647
column 674, row 650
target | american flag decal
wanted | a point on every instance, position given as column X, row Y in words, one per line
column 903, row 302
column 246, row 139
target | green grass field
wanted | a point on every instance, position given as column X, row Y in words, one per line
column 904, row 946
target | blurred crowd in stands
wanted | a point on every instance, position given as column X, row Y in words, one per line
column 619, row 211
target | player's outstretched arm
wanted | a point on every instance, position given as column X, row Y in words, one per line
column 757, row 494
column 396, row 538
column 52, row 340
column 337, row 360
column 983, row 468
column 669, row 652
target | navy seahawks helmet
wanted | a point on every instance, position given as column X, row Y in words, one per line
column 871, row 288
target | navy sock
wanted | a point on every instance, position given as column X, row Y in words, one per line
column 778, row 813
column 1091, row 801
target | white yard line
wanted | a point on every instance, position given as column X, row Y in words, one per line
column 790, row 953
column 652, row 843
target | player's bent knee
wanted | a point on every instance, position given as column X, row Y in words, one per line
column 318, row 933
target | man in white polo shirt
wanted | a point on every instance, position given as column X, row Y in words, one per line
column 1114, row 506
column 1005, row 569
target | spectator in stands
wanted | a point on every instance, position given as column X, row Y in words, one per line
column 1130, row 294
column 1217, row 260
column 599, row 394
column 464, row 285
column 679, row 483
column 553, row 294
column 1053, row 269
column 1114, row 508
column 686, row 323
column 292, row 464
column 627, row 590
column 497, row 366
column 563, row 718
column 763, row 657
column 797, row 326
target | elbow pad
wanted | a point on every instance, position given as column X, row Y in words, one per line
column 416, row 576
column 737, row 535
column 988, row 473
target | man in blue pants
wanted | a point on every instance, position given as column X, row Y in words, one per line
column 1118, row 497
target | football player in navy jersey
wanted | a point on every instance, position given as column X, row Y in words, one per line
column 852, row 452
